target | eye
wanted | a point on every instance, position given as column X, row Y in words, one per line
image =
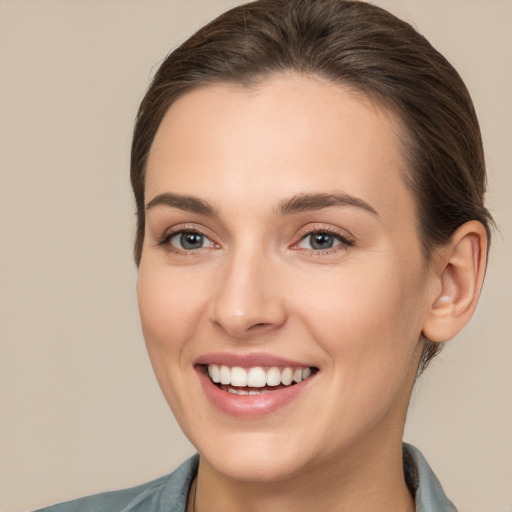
column 323, row 241
column 189, row 241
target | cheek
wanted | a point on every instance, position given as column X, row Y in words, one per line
column 371, row 335
column 167, row 302
column 169, row 310
column 369, row 320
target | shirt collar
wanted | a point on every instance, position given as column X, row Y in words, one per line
column 420, row 478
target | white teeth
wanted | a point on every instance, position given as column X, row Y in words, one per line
column 287, row 376
column 238, row 377
column 238, row 391
column 256, row 377
column 273, row 377
column 225, row 375
column 214, row 372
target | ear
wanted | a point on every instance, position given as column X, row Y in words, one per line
column 459, row 270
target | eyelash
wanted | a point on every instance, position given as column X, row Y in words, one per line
column 165, row 241
column 344, row 241
column 344, row 244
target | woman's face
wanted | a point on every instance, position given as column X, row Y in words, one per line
column 280, row 237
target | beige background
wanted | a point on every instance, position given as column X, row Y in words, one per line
column 80, row 411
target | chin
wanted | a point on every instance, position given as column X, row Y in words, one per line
column 259, row 463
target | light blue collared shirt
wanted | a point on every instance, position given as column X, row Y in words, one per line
column 169, row 493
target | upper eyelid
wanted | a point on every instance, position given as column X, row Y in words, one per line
column 324, row 230
column 187, row 228
column 318, row 228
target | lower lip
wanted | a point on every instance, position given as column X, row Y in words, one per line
column 249, row 406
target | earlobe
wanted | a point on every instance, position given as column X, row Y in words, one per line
column 460, row 269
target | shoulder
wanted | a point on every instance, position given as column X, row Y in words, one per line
column 421, row 480
column 168, row 493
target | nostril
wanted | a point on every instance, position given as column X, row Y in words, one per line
column 259, row 326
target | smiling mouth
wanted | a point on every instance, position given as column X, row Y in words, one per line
column 256, row 380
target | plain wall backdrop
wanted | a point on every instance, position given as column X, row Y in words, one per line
column 80, row 410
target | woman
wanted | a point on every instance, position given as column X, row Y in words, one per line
column 311, row 229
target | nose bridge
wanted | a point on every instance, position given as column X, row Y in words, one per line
column 247, row 298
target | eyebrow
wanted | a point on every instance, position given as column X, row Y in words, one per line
column 309, row 202
column 185, row 203
column 296, row 204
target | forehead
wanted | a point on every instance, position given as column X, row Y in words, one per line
column 298, row 133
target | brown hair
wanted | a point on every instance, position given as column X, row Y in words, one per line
column 351, row 43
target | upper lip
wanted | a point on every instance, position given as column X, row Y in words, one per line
column 248, row 360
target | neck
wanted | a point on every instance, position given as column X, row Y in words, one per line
column 372, row 479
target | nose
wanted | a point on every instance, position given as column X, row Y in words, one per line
column 249, row 300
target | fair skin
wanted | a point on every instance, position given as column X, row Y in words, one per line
column 296, row 241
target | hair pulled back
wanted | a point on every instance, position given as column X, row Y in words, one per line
column 351, row 43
